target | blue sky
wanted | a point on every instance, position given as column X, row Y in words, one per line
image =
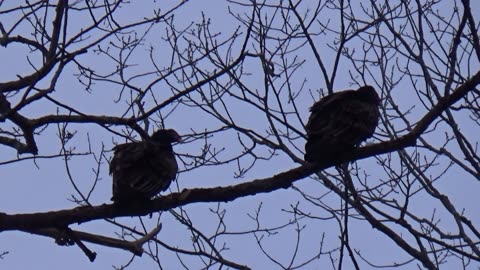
column 43, row 184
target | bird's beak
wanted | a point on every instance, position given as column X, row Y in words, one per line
column 178, row 139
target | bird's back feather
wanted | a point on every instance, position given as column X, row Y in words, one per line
column 141, row 170
column 339, row 122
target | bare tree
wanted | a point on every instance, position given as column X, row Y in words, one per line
column 79, row 77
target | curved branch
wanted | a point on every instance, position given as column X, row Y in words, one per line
column 227, row 193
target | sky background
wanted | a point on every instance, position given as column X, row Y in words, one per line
column 42, row 185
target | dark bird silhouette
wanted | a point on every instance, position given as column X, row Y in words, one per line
column 339, row 122
column 141, row 170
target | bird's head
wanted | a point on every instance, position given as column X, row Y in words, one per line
column 166, row 136
column 368, row 94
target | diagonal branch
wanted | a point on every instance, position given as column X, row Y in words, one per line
column 77, row 237
column 227, row 193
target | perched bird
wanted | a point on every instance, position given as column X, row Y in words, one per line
column 143, row 169
column 339, row 122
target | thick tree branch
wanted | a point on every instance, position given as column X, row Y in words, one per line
column 228, row 193
column 5, row 112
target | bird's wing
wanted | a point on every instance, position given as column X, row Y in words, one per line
column 343, row 118
column 361, row 118
column 163, row 162
column 338, row 123
column 142, row 168
column 127, row 155
column 325, row 111
column 330, row 101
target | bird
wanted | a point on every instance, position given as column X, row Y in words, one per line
column 141, row 170
column 339, row 122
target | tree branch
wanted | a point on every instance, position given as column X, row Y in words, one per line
column 77, row 237
column 28, row 222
